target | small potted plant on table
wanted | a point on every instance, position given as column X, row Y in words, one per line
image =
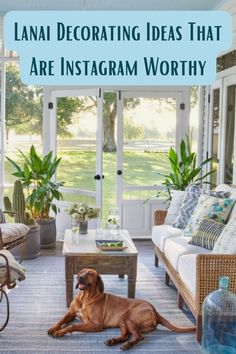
column 81, row 213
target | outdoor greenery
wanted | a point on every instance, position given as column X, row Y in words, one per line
column 183, row 167
column 36, row 177
column 77, row 168
column 24, row 109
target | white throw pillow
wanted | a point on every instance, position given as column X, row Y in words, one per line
column 217, row 209
column 226, row 242
column 174, row 207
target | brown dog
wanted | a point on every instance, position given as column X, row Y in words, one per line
column 99, row 310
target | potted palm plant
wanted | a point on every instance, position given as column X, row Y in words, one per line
column 36, row 176
column 183, row 168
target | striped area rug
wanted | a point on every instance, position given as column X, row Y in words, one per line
column 39, row 302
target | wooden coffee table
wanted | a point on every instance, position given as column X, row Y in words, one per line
column 80, row 252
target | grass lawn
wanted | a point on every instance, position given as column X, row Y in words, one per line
column 77, row 169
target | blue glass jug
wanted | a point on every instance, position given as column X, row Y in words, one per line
column 219, row 320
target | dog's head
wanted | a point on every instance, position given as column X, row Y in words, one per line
column 89, row 279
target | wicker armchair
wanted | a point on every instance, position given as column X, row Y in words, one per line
column 209, row 267
column 9, row 243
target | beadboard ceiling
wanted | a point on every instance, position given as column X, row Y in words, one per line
column 8, row 5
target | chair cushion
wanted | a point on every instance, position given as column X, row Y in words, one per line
column 207, row 234
column 209, row 207
column 187, row 271
column 13, row 231
column 17, row 272
column 188, row 205
column 177, row 246
column 174, row 206
column 226, row 242
column 161, row 233
column 2, row 217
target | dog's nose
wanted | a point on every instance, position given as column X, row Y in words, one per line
column 81, row 279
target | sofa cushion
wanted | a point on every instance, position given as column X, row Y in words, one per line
column 174, row 206
column 226, row 242
column 209, row 207
column 188, row 205
column 177, row 246
column 161, row 233
column 207, row 234
column 187, row 271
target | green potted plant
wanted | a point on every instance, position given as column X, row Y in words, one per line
column 36, row 176
column 17, row 208
column 183, row 168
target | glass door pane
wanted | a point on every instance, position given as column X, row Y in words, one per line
column 149, row 132
column 215, row 134
column 230, row 125
column 109, row 153
column 76, row 145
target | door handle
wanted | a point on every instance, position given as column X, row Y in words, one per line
column 98, row 177
column 119, row 172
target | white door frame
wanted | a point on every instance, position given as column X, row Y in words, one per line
column 209, row 126
column 50, row 130
column 182, row 126
column 226, row 82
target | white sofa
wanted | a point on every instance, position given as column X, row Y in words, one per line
column 194, row 270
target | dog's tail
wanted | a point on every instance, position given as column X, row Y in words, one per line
column 172, row 327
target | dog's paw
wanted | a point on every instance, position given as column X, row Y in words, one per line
column 126, row 346
column 59, row 333
column 111, row 342
column 52, row 330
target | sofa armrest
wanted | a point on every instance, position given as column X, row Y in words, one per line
column 159, row 216
column 209, row 267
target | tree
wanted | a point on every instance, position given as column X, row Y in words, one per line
column 109, row 118
column 24, row 109
column 132, row 131
column 24, row 106
column 22, row 101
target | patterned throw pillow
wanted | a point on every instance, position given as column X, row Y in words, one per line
column 207, row 234
column 217, row 209
column 188, row 205
column 226, row 243
column 175, row 204
column 218, row 194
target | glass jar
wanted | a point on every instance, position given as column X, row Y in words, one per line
column 219, row 320
column 113, row 221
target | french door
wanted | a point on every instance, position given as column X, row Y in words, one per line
column 158, row 120
column 76, row 136
column 147, row 124
column 228, row 142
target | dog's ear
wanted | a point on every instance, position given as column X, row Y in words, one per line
column 100, row 284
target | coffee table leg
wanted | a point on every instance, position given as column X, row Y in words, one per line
column 132, row 275
column 69, row 277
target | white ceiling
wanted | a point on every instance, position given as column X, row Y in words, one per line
column 8, row 5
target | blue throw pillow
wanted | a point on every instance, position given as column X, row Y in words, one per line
column 188, row 205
